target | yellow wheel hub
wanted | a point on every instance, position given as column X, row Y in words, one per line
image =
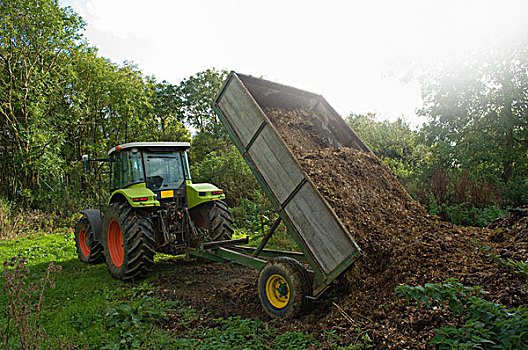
column 277, row 291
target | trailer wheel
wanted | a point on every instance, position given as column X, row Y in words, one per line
column 215, row 218
column 89, row 250
column 283, row 286
column 129, row 242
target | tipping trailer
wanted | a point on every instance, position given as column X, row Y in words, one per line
column 325, row 244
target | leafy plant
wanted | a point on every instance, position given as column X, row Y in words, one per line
column 517, row 266
column 293, row 340
column 487, row 325
column 132, row 323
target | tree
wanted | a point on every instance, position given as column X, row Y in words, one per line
column 197, row 94
column 477, row 133
column 167, row 120
column 477, row 111
column 37, row 39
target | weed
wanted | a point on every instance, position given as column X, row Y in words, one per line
column 233, row 333
column 362, row 340
column 22, row 328
column 112, row 314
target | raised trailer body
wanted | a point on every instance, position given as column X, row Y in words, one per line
column 326, row 244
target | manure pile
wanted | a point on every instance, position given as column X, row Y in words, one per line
column 401, row 243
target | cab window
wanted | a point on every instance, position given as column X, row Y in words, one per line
column 164, row 170
column 127, row 169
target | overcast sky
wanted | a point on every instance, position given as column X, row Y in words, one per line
column 354, row 53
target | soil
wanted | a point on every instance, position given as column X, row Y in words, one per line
column 401, row 244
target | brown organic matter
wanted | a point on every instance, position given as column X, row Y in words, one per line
column 401, row 243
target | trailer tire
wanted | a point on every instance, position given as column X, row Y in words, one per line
column 283, row 286
column 89, row 250
column 129, row 243
column 214, row 217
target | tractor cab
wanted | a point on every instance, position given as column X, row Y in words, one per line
column 161, row 167
column 153, row 207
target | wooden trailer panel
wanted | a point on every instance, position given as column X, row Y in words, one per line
column 329, row 246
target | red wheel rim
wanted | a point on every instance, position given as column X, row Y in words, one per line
column 115, row 243
column 83, row 242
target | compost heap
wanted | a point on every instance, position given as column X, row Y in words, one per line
column 401, row 243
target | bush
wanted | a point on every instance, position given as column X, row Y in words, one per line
column 17, row 222
column 466, row 214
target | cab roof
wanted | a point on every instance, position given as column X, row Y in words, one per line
column 152, row 146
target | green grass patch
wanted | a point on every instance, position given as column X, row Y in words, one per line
column 88, row 306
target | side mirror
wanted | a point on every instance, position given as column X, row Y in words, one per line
column 86, row 163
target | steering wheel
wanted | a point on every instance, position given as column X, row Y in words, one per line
column 154, row 182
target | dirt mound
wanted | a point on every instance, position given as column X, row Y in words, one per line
column 401, row 243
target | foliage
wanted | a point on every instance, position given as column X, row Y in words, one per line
column 477, row 112
column 166, row 123
column 477, row 129
column 234, row 333
column 254, row 215
column 227, row 170
column 400, row 147
column 17, row 222
column 466, row 214
column 487, row 325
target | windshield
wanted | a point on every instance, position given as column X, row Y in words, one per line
column 164, row 170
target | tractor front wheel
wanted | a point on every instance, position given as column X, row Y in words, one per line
column 129, row 242
column 283, row 286
column 89, row 250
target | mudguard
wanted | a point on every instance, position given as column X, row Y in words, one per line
column 95, row 218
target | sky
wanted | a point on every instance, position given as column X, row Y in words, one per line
column 357, row 54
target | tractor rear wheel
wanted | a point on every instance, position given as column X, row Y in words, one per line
column 283, row 286
column 89, row 250
column 215, row 218
column 129, row 242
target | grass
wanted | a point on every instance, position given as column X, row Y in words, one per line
column 89, row 308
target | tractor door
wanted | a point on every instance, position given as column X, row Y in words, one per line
column 127, row 169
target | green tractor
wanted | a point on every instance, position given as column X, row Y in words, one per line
column 153, row 207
